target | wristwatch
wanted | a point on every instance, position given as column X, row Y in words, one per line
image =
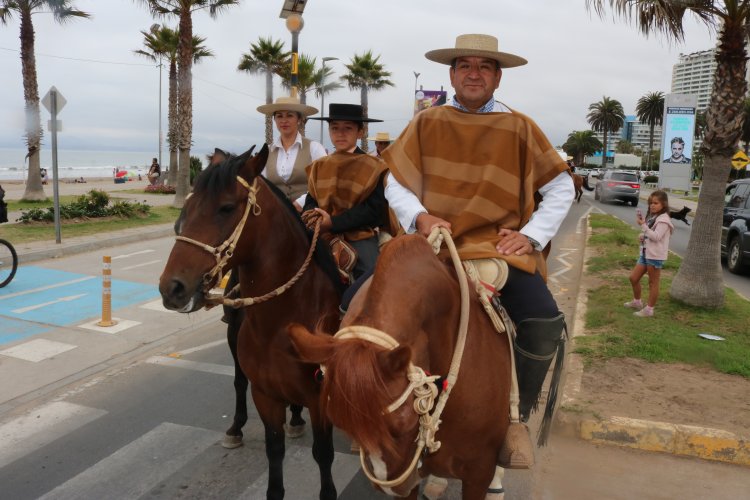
column 537, row 246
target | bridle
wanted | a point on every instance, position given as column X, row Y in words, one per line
column 421, row 385
column 223, row 252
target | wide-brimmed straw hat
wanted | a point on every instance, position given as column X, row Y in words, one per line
column 346, row 112
column 477, row 46
column 381, row 137
column 287, row 104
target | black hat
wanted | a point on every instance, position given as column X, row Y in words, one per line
column 345, row 112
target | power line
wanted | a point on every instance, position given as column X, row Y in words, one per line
column 83, row 60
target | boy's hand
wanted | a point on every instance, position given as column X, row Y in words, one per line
column 325, row 220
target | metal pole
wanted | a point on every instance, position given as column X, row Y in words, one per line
column 295, row 61
column 414, row 96
column 160, row 131
column 322, row 99
column 55, row 190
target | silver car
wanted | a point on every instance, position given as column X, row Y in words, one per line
column 618, row 185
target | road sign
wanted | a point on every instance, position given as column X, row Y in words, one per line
column 47, row 100
column 740, row 160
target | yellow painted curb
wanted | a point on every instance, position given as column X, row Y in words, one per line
column 684, row 440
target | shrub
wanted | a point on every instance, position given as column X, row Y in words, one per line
column 650, row 179
column 196, row 166
column 160, row 189
column 91, row 205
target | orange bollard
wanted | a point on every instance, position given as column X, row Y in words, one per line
column 107, row 293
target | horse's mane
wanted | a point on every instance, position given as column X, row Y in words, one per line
column 220, row 177
column 354, row 394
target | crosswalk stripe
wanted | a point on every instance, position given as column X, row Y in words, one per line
column 306, row 484
column 192, row 365
column 135, row 469
column 32, row 431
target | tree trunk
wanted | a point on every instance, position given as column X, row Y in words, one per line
column 699, row 281
column 34, row 190
column 650, row 146
column 269, row 100
column 604, row 150
column 184, row 106
column 173, row 136
column 365, row 111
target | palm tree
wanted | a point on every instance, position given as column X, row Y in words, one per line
column 365, row 74
column 581, row 143
column 699, row 281
column 184, row 9
column 745, row 137
column 164, row 43
column 650, row 110
column 606, row 116
column 63, row 11
column 308, row 78
column 268, row 57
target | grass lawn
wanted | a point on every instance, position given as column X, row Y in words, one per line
column 21, row 233
column 671, row 335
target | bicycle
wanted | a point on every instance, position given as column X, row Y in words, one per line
column 8, row 262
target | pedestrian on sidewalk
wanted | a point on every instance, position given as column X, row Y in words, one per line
column 657, row 229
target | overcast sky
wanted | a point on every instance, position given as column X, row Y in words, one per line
column 574, row 57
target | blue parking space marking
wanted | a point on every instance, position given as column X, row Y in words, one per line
column 42, row 297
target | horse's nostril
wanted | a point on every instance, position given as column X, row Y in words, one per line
column 176, row 288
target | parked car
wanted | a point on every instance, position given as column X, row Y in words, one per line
column 618, row 185
column 735, row 226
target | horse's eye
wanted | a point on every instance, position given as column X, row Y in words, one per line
column 227, row 209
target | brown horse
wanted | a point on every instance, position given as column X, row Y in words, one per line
column 580, row 182
column 235, row 219
column 414, row 298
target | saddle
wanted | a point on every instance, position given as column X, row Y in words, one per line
column 343, row 252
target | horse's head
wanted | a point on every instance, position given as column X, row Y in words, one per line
column 209, row 227
column 362, row 380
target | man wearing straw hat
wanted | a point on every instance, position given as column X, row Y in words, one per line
column 478, row 168
column 290, row 153
column 382, row 141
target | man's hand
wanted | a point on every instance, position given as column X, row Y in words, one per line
column 325, row 220
column 513, row 242
column 426, row 223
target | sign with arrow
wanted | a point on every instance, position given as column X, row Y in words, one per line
column 740, row 160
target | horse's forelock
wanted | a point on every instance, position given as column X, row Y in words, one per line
column 218, row 177
column 356, row 395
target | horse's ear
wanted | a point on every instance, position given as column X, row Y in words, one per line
column 311, row 347
column 218, row 157
column 254, row 165
column 397, row 360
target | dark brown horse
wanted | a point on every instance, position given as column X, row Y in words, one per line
column 414, row 298
column 580, row 182
column 235, row 219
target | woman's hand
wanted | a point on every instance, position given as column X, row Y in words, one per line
column 325, row 220
column 513, row 242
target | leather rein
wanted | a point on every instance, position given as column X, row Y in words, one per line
column 421, row 385
column 225, row 251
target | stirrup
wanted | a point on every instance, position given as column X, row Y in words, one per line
column 517, row 451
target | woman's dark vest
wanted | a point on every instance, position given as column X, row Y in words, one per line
column 296, row 186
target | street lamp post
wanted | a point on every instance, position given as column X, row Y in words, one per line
column 155, row 30
column 294, row 23
column 414, row 96
column 323, row 94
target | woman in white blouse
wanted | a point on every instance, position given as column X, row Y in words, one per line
column 290, row 153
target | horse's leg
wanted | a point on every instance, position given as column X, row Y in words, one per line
column 296, row 426
column 496, row 491
column 233, row 436
column 482, row 475
column 273, row 415
column 323, row 453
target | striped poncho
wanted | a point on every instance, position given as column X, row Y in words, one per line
column 343, row 180
column 479, row 172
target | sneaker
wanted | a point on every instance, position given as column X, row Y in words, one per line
column 634, row 304
column 646, row 312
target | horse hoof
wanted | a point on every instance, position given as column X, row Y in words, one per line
column 294, row 431
column 231, row 442
column 434, row 487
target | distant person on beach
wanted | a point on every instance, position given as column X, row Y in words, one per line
column 154, row 172
column 44, row 176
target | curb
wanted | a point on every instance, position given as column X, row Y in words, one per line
column 647, row 435
column 88, row 244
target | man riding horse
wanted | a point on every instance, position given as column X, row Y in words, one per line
column 478, row 168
